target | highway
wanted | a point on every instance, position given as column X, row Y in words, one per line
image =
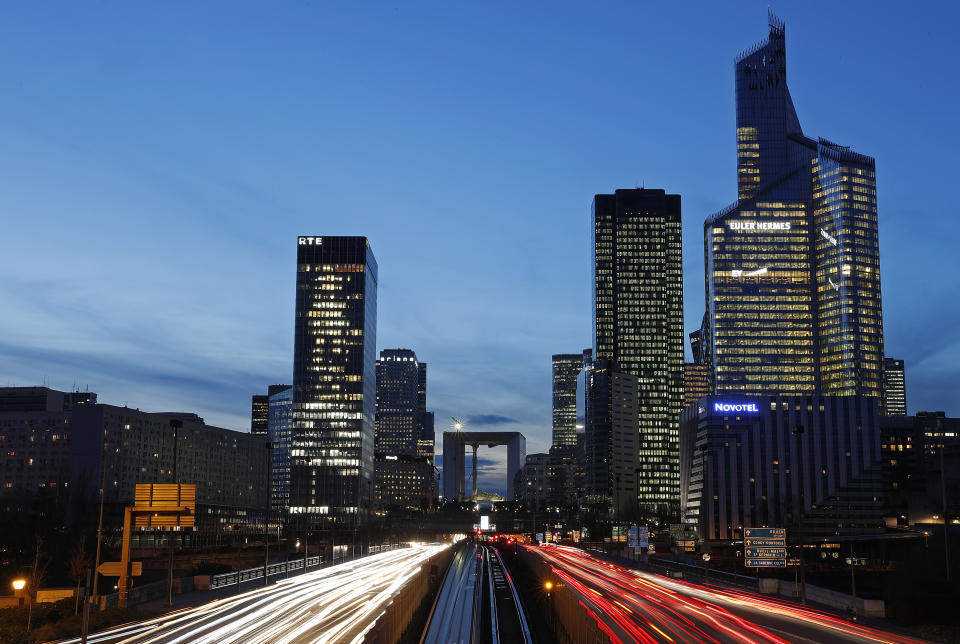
column 335, row 604
column 635, row 606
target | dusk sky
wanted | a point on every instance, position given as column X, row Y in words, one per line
column 159, row 161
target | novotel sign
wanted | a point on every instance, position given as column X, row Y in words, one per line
column 309, row 241
column 758, row 225
column 746, row 408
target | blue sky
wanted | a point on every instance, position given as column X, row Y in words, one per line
column 159, row 160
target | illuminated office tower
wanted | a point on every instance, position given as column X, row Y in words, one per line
column 792, row 268
column 696, row 382
column 894, row 388
column 566, row 371
column 638, row 321
column 334, row 379
column 402, row 417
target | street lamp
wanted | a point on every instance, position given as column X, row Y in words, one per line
column 18, row 586
column 175, row 424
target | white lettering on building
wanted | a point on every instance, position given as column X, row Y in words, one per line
column 758, row 225
column 736, row 407
column 309, row 241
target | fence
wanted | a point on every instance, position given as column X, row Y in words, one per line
column 230, row 578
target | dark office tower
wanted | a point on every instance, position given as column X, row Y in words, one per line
column 638, row 321
column 566, row 369
column 401, row 404
column 793, row 270
column 334, row 379
column 894, row 388
column 258, row 414
column 612, row 439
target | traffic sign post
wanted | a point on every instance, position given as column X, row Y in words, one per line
column 765, row 547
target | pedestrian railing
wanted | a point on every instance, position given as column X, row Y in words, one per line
column 230, row 578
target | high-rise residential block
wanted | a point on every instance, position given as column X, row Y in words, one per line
column 638, row 321
column 334, row 379
column 792, row 267
column 894, row 388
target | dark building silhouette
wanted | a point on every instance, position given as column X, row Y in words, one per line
column 334, row 379
column 638, row 321
column 403, row 425
column 612, row 440
column 259, row 414
column 743, row 465
column 792, row 267
column 894, row 388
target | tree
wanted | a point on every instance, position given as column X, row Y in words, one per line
column 79, row 563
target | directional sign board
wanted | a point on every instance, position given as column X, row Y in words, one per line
column 643, row 537
column 165, row 505
column 765, row 547
column 113, row 568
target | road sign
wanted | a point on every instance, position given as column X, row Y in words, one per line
column 765, row 553
column 765, row 547
column 164, row 505
column 706, row 557
column 643, row 537
column 540, row 537
column 113, row 568
column 651, row 548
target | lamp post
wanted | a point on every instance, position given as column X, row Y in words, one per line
column 19, row 585
column 175, row 424
column 96, row 574
column 266, row 514
column 798, row 432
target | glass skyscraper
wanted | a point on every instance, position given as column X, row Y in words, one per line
column 566, row 371
column 793, row 271
column 638, row 322
column 279, row 426
column 402, row 418
column 334, row 379
column 894, row 388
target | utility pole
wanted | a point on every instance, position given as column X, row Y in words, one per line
column 798, row 432
column 943, row 494
column 85, row 624
column 175, row 424
column 853, row 583
column 103, row 485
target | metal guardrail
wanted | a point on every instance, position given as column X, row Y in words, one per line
column 230, row 578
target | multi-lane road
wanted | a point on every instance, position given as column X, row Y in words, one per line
column 641, row 607
column 335, row 604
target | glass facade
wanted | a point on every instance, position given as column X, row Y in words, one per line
column 566, row 370
column 894, row 388
column 793, row 273
column 279, row 426
column 334, row 378
column 402, row 419
column 638, row 321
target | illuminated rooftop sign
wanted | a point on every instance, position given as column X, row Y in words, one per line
column 758, row 225
column 747, row 408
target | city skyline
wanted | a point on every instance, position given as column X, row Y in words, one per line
column 202, row 349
